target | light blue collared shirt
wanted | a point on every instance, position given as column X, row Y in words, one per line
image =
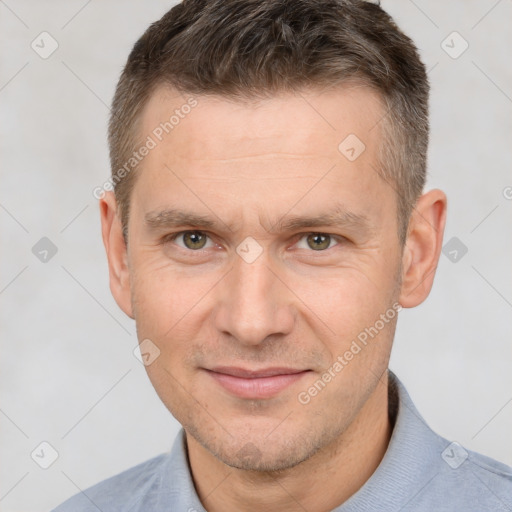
column 420, row 472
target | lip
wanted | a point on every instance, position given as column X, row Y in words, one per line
column 255, row 384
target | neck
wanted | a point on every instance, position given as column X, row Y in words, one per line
column 318, row 484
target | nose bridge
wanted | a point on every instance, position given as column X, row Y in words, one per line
column 252, row 305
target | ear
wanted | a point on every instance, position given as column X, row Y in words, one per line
column 112, row 233
column 422, row 248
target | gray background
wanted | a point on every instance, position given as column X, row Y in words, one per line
column 68, row 373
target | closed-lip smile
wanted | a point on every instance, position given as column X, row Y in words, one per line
column 255, row 383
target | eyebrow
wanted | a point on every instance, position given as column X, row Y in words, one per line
column 340, row 217
column 172, row 218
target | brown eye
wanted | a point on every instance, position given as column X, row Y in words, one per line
column 194, row 239
column 318, row 242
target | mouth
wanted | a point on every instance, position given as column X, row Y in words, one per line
column 255, row 384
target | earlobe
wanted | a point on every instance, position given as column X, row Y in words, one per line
column 422, row 248
column 117, row 256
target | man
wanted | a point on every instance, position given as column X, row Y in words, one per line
column 268, row 223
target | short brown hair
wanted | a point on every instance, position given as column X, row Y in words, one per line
column 245, row 49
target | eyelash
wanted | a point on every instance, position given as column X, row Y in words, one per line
column 173, row 236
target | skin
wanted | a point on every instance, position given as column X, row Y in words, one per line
column 246, row 166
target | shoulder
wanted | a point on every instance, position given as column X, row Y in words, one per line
column 467, row 481
column 423, row 471
column 463, row 480
column 119, row 492
column 486, row 481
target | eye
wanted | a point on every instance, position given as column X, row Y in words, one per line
column 193, row 240
column 317, row 241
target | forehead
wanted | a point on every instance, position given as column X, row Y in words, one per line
column 309, row 122
column 293, row 150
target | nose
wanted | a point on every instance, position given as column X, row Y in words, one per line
column 253, row 303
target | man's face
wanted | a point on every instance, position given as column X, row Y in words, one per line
column 253, row 303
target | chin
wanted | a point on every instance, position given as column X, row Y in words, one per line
column 258, row 452
column 266, row 463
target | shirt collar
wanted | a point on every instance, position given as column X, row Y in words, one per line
column 412, row 459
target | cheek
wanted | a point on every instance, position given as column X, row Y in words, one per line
column 164, row 295
column 172, row 310
column 164, row 313
column 155, row 304
column 341, row 302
